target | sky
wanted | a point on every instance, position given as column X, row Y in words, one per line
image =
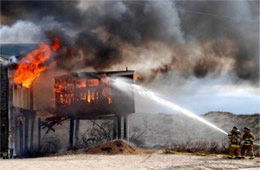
column 200, row 103
column 228, row 101
column 205, row 95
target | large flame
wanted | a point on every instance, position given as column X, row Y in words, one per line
column 31, row 66
column 69, row 90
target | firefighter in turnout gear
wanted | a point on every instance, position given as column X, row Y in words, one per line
column 234, row 147
column 248, row 140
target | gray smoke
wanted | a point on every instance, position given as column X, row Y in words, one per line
column 9, row 62
column 201, row 37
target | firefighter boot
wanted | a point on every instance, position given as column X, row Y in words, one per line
column 231, row 157
column 252, row 157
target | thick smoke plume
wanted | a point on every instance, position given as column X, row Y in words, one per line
column 195, row 38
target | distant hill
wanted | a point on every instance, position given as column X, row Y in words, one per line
column 162, row 129
column 227, row 120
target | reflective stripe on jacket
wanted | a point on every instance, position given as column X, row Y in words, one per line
column 248, row 138
column 234, row 139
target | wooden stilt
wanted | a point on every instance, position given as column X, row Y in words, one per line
column 21, row 137
column 119, row 127
column 126, row 128
column 71, row 132
column 26, row 133
column 115, row 128
column 39, row 134
column 77, row 131
column 16, row 138
column 32, row 130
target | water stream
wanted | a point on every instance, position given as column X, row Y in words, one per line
column 128, row 87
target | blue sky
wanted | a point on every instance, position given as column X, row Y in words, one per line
column 235, row 104
column 204, row 95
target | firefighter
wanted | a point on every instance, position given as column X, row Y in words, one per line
column 248, row 140
column 235, row 139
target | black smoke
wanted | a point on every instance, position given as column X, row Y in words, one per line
column 103, row 30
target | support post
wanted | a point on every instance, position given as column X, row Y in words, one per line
column 26, row 133
column 71, row 132
column 119, row 127
column 39, row 134
column 115, row 128
column 12, row 124
column 32, row 130
column 21, row 137
column 77, row 131
column 16, row 132
column 126, row 128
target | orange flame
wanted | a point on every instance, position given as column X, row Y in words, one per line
column 93, row 82
column 109, row 100
column 31, row 66
column 82, row 84
column 68, row 91
column 56, row 44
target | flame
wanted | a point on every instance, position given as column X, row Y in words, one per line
column 31, row 66
column 71, row 90
column 56, row 44
column 89, row 99
column 109, row 100
column 93, row 82
column 82, row 84
column 58, row 88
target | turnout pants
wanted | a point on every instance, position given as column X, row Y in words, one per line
column 247, row 149
column 234, row 149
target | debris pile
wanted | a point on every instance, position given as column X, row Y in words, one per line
column 116, row 147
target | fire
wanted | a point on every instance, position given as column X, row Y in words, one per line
column 93, row 82
column 82, row 84
column 56, row 44
column 31, row 66
column 69, row 90
column 109, row 100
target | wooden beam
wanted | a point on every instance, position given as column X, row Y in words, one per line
column 39, row 134
column 32, row 131
column 126, row 128
column 71, row 132
column 119, row 127
column 77, row 131
column 26, row 133
column 115, row 128
column 21, row 137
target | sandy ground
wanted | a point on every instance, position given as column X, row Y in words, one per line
column 129, row 162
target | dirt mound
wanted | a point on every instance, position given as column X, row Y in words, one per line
column 116, row 147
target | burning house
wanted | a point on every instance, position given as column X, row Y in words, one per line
column 90, row 96
column 77, row 96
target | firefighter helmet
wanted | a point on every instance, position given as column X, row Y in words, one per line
column 235, row 128
column 247, row 128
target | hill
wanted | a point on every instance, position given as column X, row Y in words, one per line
column 155, row 130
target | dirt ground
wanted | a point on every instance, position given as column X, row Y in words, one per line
column 129, row 162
